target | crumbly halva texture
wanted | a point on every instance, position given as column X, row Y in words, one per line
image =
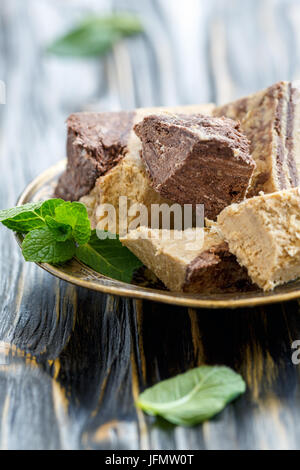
column 96, row 142
column 194, row 260
column 196, row 159
column 264, row 234
column 97, row 177
column 271, row 121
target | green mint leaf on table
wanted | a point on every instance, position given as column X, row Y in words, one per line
column 41, row 246
column 194, row 396
column 61, row 232
column 29, row 216
column 75, row 215
column 108, row 257
column 95, row 36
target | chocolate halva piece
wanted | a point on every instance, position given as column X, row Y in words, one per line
column 104, row 160
column 196, row 159
column 193, row 260
column 96, row 142
column 271, row 121
column 263, row 232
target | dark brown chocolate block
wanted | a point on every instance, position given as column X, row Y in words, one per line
column 96, row 143
column 196, row 159
column 216, row 270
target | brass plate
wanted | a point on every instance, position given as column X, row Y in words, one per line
column 81, row 275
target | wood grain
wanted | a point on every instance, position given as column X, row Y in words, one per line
column 72, row 361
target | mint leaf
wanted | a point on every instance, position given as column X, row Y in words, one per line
column 32, row 216
column 75, row 215
column 41, row 246
column 14, row 211
column 108, row 257
column 29, row 216
column 95, row 36
column 48, row 207
column 194, row 396
column 60, row 231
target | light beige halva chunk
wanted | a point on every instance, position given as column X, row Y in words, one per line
column 264, row 234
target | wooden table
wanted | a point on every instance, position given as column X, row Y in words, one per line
column 72, row 361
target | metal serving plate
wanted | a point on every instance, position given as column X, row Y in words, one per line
column 145, row 285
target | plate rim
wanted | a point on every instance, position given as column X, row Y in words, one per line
column 138, row 292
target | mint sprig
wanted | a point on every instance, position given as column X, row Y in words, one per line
column 56, row 231
column 95, row 36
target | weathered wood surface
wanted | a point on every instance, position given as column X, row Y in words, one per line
column 73, row 361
